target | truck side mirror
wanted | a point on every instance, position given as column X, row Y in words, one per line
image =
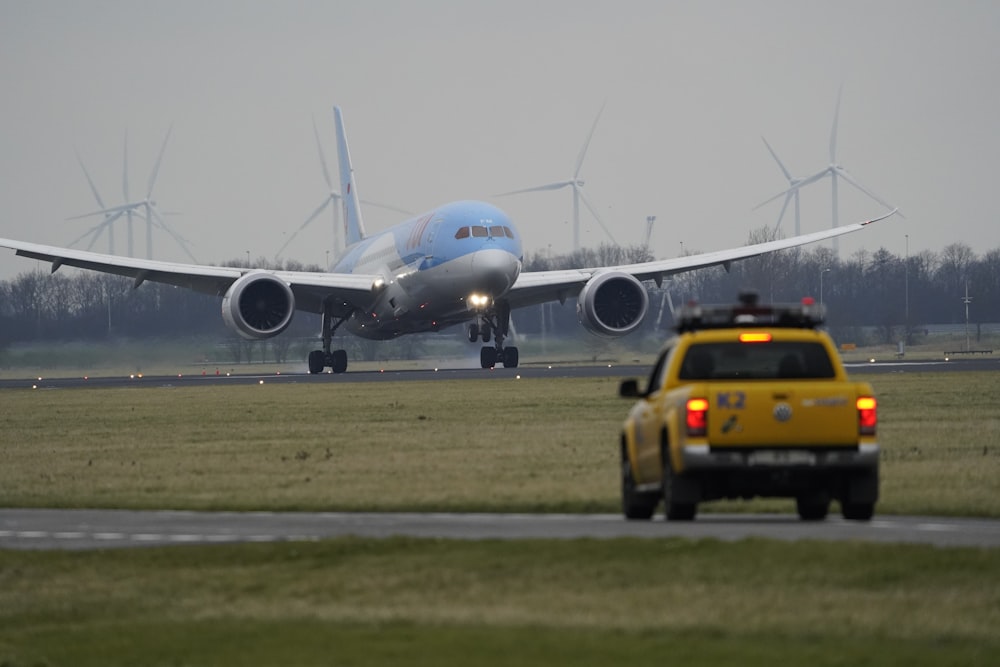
column 629, row 389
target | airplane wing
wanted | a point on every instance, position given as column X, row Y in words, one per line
column 536, row 287
column 310, row 289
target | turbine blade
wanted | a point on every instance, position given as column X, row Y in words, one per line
column 181, row 241
column 784, row 206
column 586, row 144
column 108, row 211
column 538, row 188
column 322, row 157
column 833, row 132
column 90, row 181
column 320, row 209
column 96, row 229
column 593, row 211
column 159, row 159
column 125, row 167
column 784, row 171
column 387, row 207
column 796, row 187
column 843, row 173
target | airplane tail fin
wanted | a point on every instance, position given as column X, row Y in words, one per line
column 354, row 225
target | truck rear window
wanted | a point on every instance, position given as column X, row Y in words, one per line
column 765, row 361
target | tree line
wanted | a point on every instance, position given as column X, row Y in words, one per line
column 870, row 289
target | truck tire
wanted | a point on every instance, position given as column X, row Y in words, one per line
column 858, row 511
column 676, row 494
column 635, row 504
column 813, row 507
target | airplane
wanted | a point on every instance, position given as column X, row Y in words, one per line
column 458, row 263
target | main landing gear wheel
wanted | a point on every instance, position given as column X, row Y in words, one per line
column 489, row 357
column 336, row 360
column 316, row 361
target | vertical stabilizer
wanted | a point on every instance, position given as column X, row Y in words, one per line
column 354, row 226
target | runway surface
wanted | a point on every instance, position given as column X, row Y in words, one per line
column 528, row 371
column 103, row 529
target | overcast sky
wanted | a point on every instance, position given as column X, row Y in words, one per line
column 448, row 100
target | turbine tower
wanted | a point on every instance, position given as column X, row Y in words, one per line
column 332, row 198
column 145, row 207
column 834, row 170
column 576, row 183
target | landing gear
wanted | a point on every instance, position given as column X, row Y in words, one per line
column 494, row 323
column 336, row 360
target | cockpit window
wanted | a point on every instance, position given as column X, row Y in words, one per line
column 479, row 231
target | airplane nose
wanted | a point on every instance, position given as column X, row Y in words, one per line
column 495, row 270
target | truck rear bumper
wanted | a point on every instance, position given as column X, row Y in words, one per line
column 703, row 457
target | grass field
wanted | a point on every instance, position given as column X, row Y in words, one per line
column 438, row 602
column 490, row 445
column 495, row 445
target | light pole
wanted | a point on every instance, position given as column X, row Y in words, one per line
column 906, row 290
column 821, row 272
column 248, row 259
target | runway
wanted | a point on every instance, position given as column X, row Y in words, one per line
column 205, row 378
column 106, row 529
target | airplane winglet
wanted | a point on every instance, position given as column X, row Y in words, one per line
column 882, row 217
column 354, row 226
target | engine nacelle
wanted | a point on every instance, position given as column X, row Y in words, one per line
column 258, row 305
column 612, row 304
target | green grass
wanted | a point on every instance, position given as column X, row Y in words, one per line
column 489, row 445
column 496, row 445
column 365, row 602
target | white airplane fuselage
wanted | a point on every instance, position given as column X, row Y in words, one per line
column 437, row 269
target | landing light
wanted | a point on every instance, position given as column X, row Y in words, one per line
column 479, row 300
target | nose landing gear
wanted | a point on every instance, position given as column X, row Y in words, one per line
column 494, row 322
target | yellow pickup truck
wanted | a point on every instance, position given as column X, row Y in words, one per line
column 749, row 400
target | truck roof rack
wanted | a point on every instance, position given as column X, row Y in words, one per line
column 750, row 313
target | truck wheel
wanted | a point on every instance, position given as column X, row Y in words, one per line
column 812, row 508
column 635, row 504
column 676, row 510
column 858, row 511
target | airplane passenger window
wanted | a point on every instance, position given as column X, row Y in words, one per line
column 462, row 233
column 479, row 231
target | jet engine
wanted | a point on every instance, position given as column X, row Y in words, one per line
column 612, row 304
column 258, row 305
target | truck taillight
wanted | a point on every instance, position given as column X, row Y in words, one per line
column 697, row 417
column 867, row 415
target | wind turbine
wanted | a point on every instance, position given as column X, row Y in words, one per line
column 793, row 193
column 576, row 183
column 834, row 170
column 332, row 198
column 147, row 205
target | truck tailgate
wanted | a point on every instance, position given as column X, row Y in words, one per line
column 769, row 414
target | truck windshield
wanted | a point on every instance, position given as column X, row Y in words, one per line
column 753, row 361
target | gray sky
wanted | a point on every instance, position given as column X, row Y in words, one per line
column 449, row 100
